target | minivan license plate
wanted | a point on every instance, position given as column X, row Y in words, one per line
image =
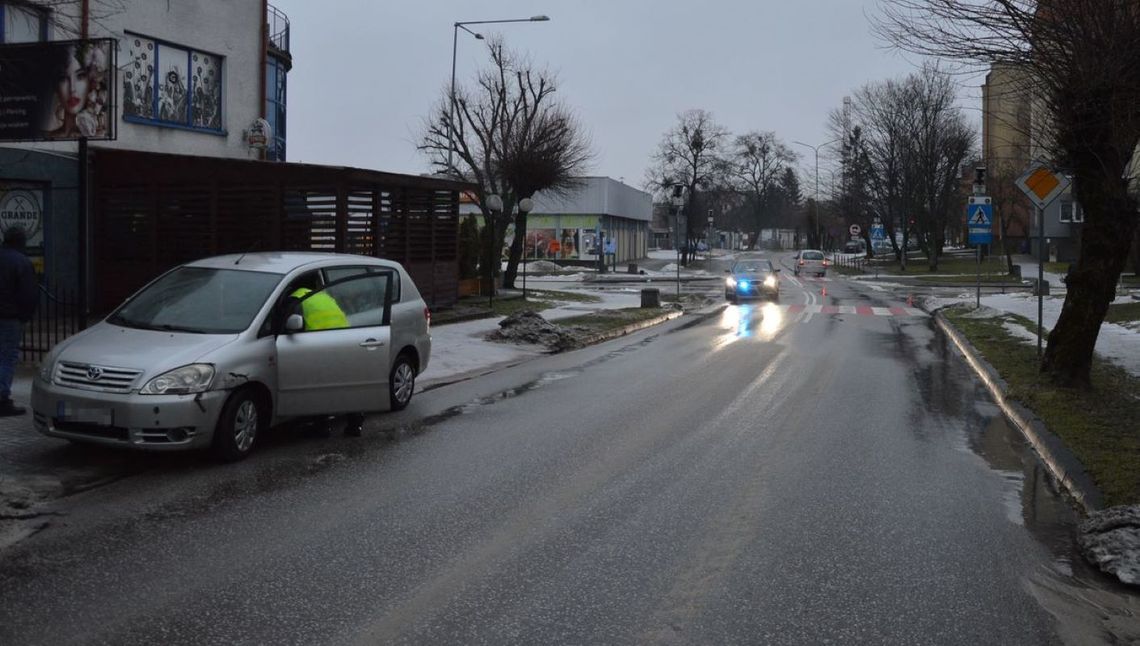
column 83, row 415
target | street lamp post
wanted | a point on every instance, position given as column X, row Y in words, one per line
column 454, row 46
column 526, row 205
column 818, row 219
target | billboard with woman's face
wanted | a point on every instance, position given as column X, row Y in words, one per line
column 57, row 90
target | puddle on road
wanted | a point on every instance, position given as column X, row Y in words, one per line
column 1089, row 607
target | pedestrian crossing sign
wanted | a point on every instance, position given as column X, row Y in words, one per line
column 979, row 220
column 979, row 217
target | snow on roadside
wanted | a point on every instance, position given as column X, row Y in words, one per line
column 1116, row 343
column 460, row 348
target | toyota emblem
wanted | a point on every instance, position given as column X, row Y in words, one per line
column 94, row 373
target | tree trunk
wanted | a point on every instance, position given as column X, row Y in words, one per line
column 1110, row 225
column 1136, row 253
column 486, row 247
column 1003, row 226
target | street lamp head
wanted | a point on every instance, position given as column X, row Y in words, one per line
column 540, row 18
column 526, row 205
column 494, row 202
column 478, row 36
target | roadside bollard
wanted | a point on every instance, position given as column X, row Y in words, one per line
column 651, row 297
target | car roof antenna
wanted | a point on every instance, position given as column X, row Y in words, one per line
column 252, row 248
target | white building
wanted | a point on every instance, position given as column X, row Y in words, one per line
column 193, row 75
column 185, row 77
column 620, row 212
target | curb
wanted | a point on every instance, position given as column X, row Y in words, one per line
column 1058, row 459
column 629, row 329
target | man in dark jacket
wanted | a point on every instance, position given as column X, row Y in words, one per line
column 18, row 298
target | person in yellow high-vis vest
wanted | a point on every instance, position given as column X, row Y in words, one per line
column 321, row 312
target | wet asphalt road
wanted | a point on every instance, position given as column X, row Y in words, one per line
column 770, row 475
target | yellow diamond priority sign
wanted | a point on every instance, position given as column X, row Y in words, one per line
column 1042, row 184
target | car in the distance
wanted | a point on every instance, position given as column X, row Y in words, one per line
column 811, row 261
column 214, row 352
column 755, row 278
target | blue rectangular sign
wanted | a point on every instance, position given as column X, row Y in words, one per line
column 979, row 219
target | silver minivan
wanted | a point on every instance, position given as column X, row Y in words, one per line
column 214, row 352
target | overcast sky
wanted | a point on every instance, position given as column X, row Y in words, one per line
column 366, row 72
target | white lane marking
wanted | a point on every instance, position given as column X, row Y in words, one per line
column 846, row 309
column 881, row 311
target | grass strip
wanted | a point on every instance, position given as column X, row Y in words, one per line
column 1101, row 426
column 607, row 320
column 957, row 265
column 1123, row 313
column 968, row 279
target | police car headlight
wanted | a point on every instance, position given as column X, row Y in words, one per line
column 770, row 282
column 187, row 380
column 730, row 281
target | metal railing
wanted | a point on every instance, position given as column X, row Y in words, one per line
column 858, row 263
column 57, row 317
column 278, row 29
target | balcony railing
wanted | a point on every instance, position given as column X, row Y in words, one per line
column 278, row 30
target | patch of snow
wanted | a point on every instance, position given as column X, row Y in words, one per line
column 569, row 278
column 983, row 312
column 1018, row 331
column 1110, row 539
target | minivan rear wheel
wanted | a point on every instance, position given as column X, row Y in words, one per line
column 242, row 420
column 401, row 382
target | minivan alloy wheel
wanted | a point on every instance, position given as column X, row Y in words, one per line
column 245, row 425
column 403, row 381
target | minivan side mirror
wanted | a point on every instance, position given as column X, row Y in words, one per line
column 775, row 271
column 728, row 271
column 295, row 323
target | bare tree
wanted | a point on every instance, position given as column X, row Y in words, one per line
column 691, row 153
column 511, row 138
column 903, row 148
column 941, row 142
column 757, row 163
column 1082, row 65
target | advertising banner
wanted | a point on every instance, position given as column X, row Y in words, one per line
column 57, row 91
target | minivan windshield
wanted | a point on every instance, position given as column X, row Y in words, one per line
column 813, row 255
column 200, row 300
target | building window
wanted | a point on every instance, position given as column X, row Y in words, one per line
column 22, row 24
column 1071, row 212
column 275, row 75
column 169, row 85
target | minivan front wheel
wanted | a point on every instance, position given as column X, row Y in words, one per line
column 242, row 419
column 401, row 382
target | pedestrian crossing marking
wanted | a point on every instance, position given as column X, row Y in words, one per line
column 852, row 309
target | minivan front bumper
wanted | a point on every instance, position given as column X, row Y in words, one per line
column 148, row 422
